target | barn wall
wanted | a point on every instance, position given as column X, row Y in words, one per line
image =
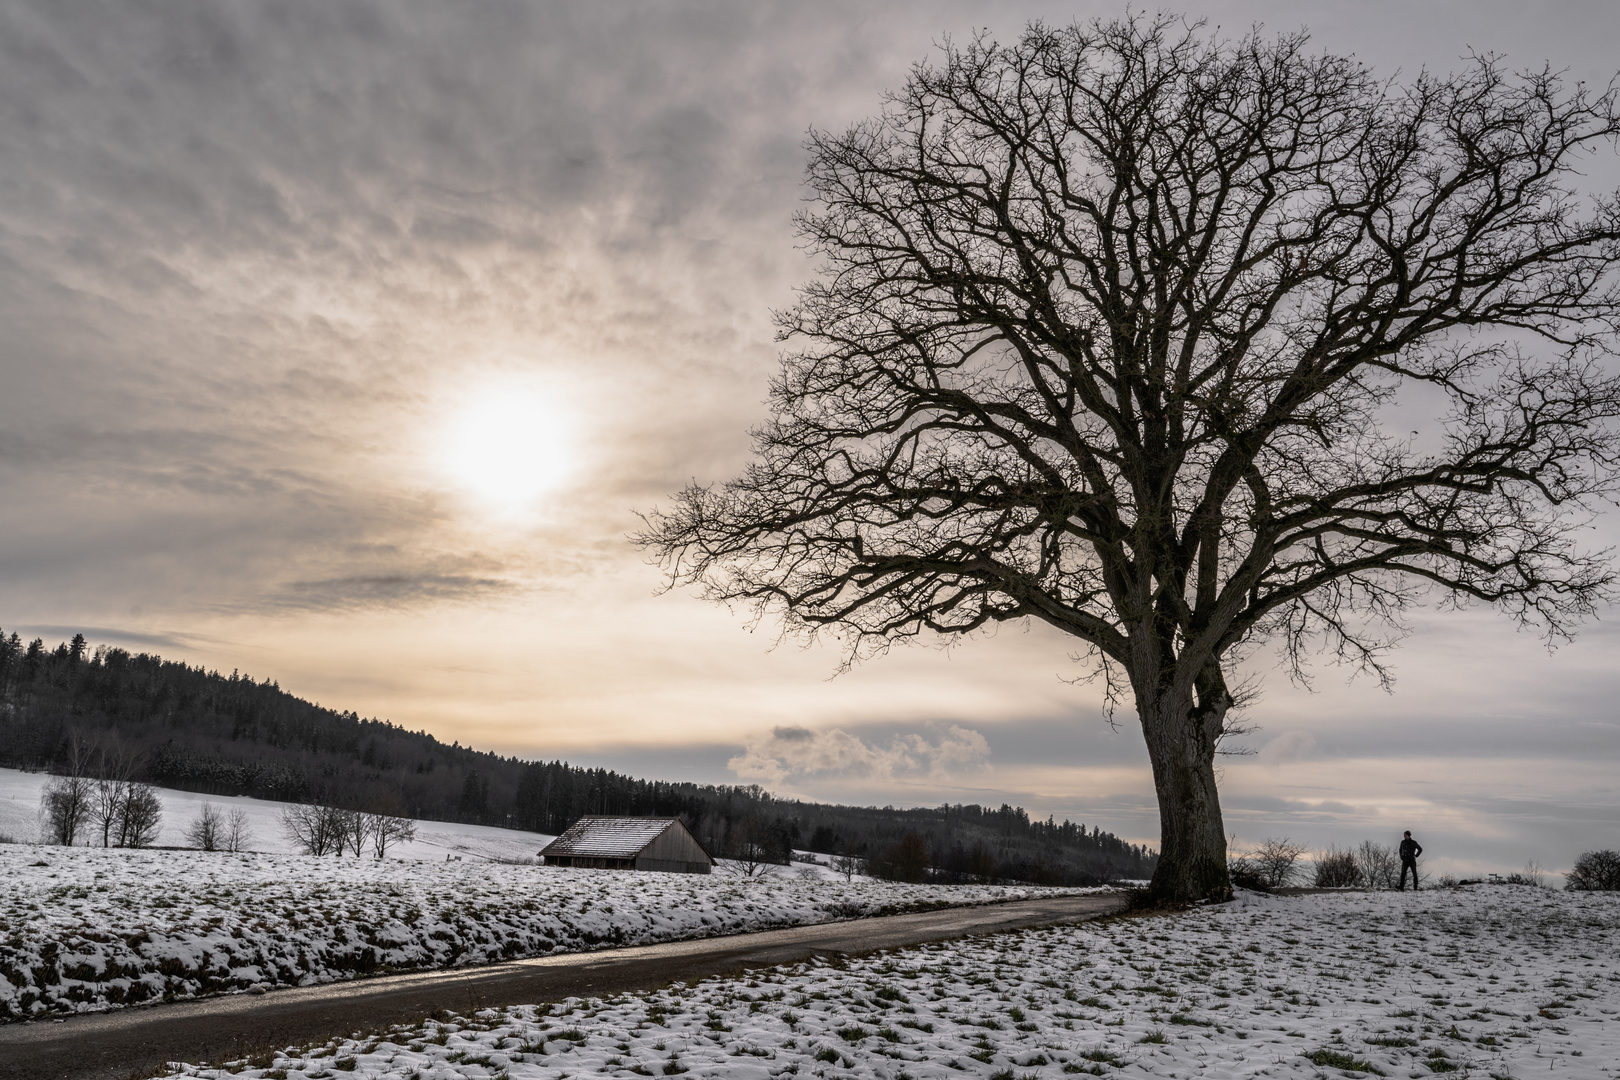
column 589, row 862
column 672, row 867
column 673, row 850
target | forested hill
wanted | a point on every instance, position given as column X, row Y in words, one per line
column 202, row 731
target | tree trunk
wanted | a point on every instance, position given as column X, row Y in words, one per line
column 1192, row 837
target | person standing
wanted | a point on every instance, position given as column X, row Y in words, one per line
column 1410, row 850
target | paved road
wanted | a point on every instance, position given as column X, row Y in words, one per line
column 136, row 1042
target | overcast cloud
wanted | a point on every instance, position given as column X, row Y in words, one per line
column 257, row 261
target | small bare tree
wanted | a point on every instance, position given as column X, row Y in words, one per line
column 1337, row 869
column 1276, row 861
column 354, row 830
column 1107, row 331
column 316, row 829
column 237, row 834
column 67, row 800
column 1595, row 871
column 207, row 829
column 1379, row 864
column 139, row 816
column 750, row 851
column 386, row 830
column 749, row 860
column 115, row 773
column 66, row 804
column 848, row 865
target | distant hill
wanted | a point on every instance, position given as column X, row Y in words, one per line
column 201, row 731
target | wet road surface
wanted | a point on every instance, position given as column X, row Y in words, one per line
column 138, row 1041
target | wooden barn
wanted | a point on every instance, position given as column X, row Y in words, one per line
column 629, row 843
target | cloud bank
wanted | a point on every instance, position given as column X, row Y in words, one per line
column 797, row 752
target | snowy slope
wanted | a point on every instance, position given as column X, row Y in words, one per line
column 435, row 840
column 1495, row 981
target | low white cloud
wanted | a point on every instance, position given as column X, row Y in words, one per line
column 1290, row 746
column 798, row 751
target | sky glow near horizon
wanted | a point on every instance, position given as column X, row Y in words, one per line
column 344, row 342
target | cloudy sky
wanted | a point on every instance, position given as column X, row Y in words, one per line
column 280, row 281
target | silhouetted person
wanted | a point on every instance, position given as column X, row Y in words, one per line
column 1410, row 850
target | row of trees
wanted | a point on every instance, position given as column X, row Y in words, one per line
column 213, row 830
column 316, row 829
column 98, row 793
column 99, row 796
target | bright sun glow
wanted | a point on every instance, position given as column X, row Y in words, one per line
column 509, row 447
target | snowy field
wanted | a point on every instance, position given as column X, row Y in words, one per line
column 435, row 840
column 91, row 928
column 1488, row 981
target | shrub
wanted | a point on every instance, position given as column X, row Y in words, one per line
column 1269, row 866
column 1276, row 860
column 237, row 835
column 848, row 865
column 1337, row 869
column 208, row 830
column 319, row 830
column 139, row 817
column 65, row 802
column 1595, row 871
column 1244, row 874
column 1338, row 1059
column 1380, row 866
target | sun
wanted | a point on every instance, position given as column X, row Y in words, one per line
column 508, row 447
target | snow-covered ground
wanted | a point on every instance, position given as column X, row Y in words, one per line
column 90, row 928
column 1497, row 981
column 807, row 865
column 435, row 840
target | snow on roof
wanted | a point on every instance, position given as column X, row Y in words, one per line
column 608, row 837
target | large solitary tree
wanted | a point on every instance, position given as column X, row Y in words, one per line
column 1124, row 328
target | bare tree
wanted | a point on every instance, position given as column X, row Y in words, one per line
column 1108, row 326
column 207, row 830
column 848, row 865
column 385, row 830
column 67, row 801
column 139, row 816
column 316, row 829
column 384, row 822
column 1380, row 866
column 115, row 772
column 1274, row 861
column 750, row 850
column 237, row 834
column 1337, row 869
column 354, row 830
column 1595, row 871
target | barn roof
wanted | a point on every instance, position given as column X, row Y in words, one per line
column 608, row 837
